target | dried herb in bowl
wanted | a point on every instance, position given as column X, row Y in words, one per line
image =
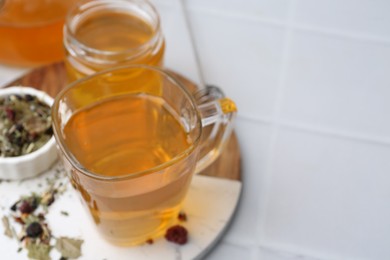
column 25, row 124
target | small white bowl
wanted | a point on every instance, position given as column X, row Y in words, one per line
column 34, row 163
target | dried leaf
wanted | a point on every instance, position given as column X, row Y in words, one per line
column 69, row 247
column 7, row 227
column 30, row 219
column 64, row 213
column 38, row 251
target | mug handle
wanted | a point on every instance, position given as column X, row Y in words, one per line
column 218, row 113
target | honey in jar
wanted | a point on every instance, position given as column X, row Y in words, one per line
column 31, row 31
column 99, row 35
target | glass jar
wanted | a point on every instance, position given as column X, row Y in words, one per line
column 31, row 31
column 101, row 34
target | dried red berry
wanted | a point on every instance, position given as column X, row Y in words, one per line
column 34, row 230
column 177, row 234
column 26, row 207
column 182, row 216
column 10, row 113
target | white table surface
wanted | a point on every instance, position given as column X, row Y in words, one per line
column 312, row 84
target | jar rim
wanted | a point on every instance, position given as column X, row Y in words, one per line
column 85, row 8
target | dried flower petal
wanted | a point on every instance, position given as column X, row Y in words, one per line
column 19, row 220
column 182, row 216
column 7, row 228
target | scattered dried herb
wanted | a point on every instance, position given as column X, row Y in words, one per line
column 48, row 197
column 68, row 247
column 177, row 234
column 41, row 217
column 15, row 205
column 182, row 216
column 19, row 220
column 25, row 125
column 29, row 212
column 64, row 213
column 150, row 241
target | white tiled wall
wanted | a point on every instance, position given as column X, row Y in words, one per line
column 312, row 83
column 329, row 194
column 338, row 83
column 362, row 17
column 249, row 51
column 254, row 161
column 276, row 10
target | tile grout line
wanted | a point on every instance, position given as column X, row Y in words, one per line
column 238, row 242
column 341, row 34
column 283, row 252
column 263, row 202
column 257, row 119
column 275, row 250
column 247, row 17
column 318, row 130
column 364, row 37
column 325, row 131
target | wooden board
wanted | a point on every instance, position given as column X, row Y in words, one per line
column 52, row 78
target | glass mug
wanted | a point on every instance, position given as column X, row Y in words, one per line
column 31, row 31
column 102, row 34
column 131, row 139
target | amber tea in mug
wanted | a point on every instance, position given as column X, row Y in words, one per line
column 102, row 34
column 132, row 147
